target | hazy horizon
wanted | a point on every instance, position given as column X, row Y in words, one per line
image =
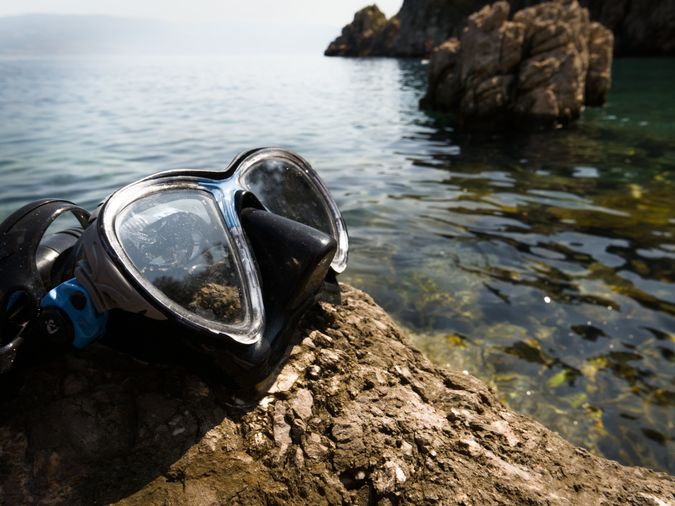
column 65, row 27
column 319, row 12
column 68, row 34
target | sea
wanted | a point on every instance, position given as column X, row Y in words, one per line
column 543, row 263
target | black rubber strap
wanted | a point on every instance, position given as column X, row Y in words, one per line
column 21, row 287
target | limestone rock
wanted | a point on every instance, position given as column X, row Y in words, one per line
column 536, row 69
column 375, row 423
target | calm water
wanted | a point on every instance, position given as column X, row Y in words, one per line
column 543, row 263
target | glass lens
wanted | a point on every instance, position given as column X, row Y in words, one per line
column 177, row 241
column 284, row 189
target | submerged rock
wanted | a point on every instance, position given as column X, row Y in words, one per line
column 540, row 68
column 357, row 416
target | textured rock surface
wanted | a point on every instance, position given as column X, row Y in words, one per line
column 640, row 27
column 536, row 69
column 356, row 416
column 599, row 76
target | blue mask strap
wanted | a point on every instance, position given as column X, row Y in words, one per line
column 68, row 315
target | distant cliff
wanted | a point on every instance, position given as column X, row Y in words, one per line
column 640, row 28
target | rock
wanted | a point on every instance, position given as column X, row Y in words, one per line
column 357, row 37
column 314, row 449
column 640, row 27
column 535, row 70
column 302, row 403
column 599, row 75
column 284, row 382
column 388, row 478
column 419, row 26
column 378, row 424
column 281, row 430
column 442, row 88
column 424, row 24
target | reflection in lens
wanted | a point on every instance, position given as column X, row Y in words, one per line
column 177, row 242
column 284, row 189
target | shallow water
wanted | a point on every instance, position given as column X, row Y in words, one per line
column 543, row 263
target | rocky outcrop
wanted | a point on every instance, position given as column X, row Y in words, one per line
column 418, row 27
column 357, row 37
column 640, row 27
column 538, row 69
column 424, row 24
column 356, row 416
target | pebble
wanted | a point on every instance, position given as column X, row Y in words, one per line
column 388, row 477
column 313, row 447
column 285, row 381
column 302, row 403
column 314, row 372
column 281, row 430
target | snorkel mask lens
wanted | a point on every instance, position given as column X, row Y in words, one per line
column 287, row 186
column 178, row 244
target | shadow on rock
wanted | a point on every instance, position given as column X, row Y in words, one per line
column 97, row 425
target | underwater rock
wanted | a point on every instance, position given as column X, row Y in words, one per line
column 535, row 70
column 357, row 417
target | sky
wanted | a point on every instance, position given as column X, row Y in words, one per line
column 330, row 12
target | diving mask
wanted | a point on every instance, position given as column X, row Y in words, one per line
column 230, row 258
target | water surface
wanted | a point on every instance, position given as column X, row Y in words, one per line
column 543, row 263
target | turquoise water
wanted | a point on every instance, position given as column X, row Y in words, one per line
column 543, row 263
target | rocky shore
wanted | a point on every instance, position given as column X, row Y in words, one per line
column 355, row 416
column 640, row 28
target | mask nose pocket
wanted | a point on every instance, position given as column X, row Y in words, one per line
column 293, row 260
